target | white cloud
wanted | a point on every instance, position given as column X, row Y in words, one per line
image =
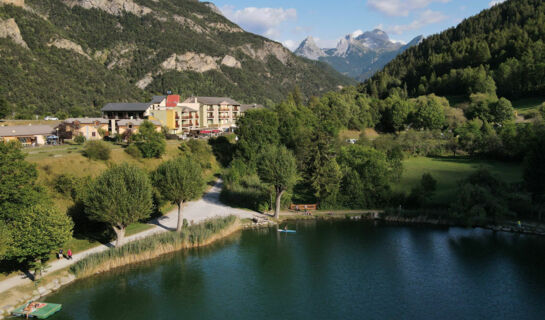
column 400, row 7
column 290, row 44
column 264, row 21
column 495, row 2
column 427, row 17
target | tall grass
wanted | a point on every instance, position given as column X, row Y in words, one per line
column 156, row 245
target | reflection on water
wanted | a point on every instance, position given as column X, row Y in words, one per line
column 327, row 270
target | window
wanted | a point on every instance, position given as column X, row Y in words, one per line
column 94, row 134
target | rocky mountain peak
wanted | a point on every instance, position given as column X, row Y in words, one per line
column 358, row 54
column 309, row 49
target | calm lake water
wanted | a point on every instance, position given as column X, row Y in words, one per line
column 327, row 270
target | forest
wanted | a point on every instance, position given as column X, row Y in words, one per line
column 500, row 50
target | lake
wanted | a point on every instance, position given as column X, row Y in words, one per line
column 327, row 270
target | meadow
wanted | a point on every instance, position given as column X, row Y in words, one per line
column 448, row 171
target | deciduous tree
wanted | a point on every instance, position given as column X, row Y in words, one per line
column 179, row 180
column 120, row 196
column 277, row 167
column 38, row 231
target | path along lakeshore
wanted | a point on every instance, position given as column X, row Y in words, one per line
column 209, row 206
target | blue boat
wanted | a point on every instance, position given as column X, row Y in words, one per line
column 287, row 231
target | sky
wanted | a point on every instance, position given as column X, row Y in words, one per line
column 291, row 21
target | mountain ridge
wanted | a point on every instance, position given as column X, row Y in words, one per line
column 83, row 53
column 357, row 56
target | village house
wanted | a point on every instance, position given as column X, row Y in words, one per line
column 28, row 135
column 133, row 125
column 90, row 128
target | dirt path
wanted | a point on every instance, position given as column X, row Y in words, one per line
column 209, row 206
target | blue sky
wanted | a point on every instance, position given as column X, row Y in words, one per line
column 290, row 21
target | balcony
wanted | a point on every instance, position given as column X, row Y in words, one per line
column 186, row 117
column 225, row 109
column 186, row 125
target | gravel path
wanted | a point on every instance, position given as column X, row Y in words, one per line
column 209, row 206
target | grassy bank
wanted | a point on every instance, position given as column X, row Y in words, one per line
column 194, row 236
column 448, row 171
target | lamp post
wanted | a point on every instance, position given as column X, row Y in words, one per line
column 58, row 140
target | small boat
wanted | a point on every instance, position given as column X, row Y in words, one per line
column 287, row 231
column 39, row 310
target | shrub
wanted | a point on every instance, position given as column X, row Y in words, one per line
column 97, row 150
column 194, row 235
column 68, row 185
column 134, row 151
column 79, row 139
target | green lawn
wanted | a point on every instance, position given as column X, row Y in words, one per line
column 448, row 171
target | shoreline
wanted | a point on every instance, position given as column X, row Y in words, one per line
column 527, row 228
column 60, row 278
column 50, row 283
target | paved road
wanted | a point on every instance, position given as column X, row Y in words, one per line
column 209, row 206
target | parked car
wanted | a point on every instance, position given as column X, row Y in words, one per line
column 49, row 118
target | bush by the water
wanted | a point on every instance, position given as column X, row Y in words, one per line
column 155, row 245
column 97, row 150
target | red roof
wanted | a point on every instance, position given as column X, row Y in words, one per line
column 173, row 100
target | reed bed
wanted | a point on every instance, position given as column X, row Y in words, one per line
column 151, row 247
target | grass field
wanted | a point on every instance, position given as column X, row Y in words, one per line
column 448, row 171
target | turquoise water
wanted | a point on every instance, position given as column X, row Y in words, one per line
column 340, row 270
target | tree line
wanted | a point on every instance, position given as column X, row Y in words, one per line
column 340, row 175
column 32, row 226
column 500, row 51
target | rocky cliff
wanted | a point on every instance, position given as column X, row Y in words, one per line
column 74, row 55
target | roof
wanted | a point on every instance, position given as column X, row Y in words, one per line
column 86, row 120
column 157, row 99
column 173, row 100
column 246, row 107
column 213, row 100
column 140, row 107
column 11, row 131
column 136, row 122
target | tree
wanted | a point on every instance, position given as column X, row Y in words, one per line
column 37, row 232
column 429, row 112
column 534, row 169
column 18, row 188
column 179, row 180
column 120, row 196
column 366, row 176
column 277, row 167
column 502, row 111
column 326, row 183
column 5, row 108
column 151, row 143
column 423, row 192
column 4, row 238
column 256, row 130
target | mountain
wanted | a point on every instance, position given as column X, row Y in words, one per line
column 358, row 56
column 76, row 55
column 499, row 51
